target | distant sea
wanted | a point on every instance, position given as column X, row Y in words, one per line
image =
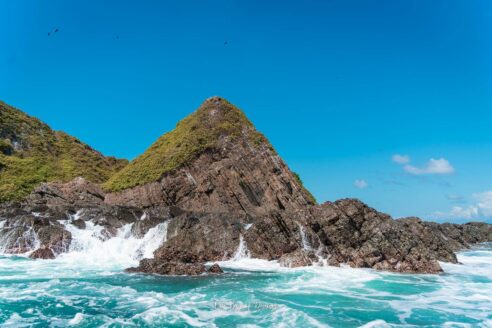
column 88, row 288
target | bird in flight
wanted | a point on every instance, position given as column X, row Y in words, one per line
column 54, row 31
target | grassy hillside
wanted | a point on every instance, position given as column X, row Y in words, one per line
column 216, row 118
column 31, row 153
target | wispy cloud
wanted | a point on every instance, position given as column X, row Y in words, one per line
column 433, row 166
column 400, row 159
column 455, row 198
column 361, row 184
column 481, row 209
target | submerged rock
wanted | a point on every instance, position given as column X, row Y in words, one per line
column 174, row 268
column 42, row 253
column 215, row 269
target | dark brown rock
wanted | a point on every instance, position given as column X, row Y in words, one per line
column 215, row 269
column 169, row 268
column 55, row 238
column 42, row 253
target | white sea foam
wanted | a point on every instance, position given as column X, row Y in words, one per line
column 305, row 242
column 242, row 251
column 28, row 239
column 77, row 319
column 90, row 246
column 376, row 324
column 308, row 296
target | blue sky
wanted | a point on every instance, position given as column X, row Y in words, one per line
column 339, row 87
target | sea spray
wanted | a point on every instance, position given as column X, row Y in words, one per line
column 242, row 251
column 24, row 242
column 93, row 247
column 305, row 242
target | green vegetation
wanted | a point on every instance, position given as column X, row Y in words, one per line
column 215, row 119
column 308, row 193
column 31, row 153
column 6, row 147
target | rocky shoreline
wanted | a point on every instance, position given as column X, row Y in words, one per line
column 343, row 232
column 228, row 194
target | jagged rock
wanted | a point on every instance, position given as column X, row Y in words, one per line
column 152, row 217
column 17, row 240
column 79, row 223
column 169, row 268
column 215, row 269
column 56, row 238
column 42, row 253
column 356, row 234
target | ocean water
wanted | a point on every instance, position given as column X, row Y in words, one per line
column 87, row 288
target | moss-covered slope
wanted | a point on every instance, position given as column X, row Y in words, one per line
column 31, row 153
column 214, row 124
column 215, row 120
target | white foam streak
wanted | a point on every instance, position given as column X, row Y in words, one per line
column 242, row 251
column 305, row 242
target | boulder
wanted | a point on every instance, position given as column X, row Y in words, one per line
column 42, row 253
column 215, row 269
column 169, row 268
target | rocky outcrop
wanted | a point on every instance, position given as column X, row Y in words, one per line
column 224, row 194
column 24, row 232
column 43, row 254
column 174, row 268
column 215, row 269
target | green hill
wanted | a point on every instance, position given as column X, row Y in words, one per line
column 215, row 119
column 31, row 153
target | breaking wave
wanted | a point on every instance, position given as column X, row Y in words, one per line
column 86, row 287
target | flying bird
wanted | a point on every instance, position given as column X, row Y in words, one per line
column 54, row 31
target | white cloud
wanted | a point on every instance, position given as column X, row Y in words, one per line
column 458, row 212
column 484, row 203
column 433, row 166
column 480, row 210
column 361, row 184
column 400, row 159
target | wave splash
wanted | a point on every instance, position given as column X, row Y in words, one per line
column 91, row 247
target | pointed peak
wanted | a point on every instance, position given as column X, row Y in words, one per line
column 219, row 108
column 215, row 124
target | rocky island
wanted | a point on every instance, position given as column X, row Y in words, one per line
column 219, row 187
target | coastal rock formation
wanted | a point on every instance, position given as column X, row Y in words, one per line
column 223, row 193
column 32, row 153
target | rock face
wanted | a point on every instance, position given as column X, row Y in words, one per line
column 240, row 199
column 224, row 193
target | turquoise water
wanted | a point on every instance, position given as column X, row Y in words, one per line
column 73, row 291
